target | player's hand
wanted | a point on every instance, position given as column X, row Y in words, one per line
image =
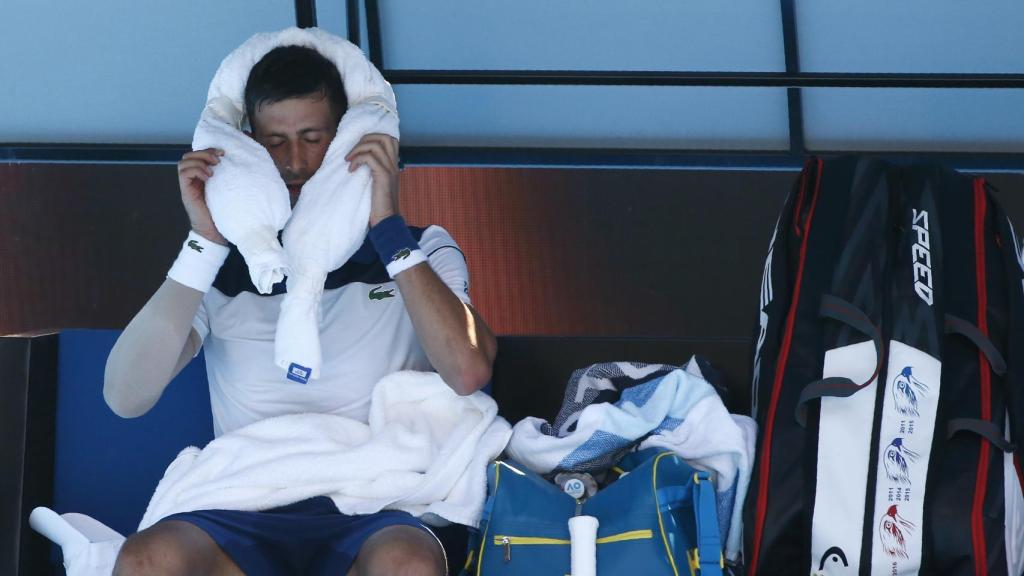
column 380, row 153
column 194, row 169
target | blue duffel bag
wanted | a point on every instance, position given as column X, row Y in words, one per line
column 657, row 518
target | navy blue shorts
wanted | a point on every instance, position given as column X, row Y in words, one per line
column 308, row 537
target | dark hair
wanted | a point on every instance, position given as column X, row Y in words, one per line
column 290, row 72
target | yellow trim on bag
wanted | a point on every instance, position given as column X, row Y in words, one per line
column 694, row 557
column 528, row 540
column 499, row 540
column 661, row 525
column 624, row 536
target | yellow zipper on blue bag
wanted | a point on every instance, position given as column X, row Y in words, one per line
column 625, row 536
column 507, row 542
column 657, row 506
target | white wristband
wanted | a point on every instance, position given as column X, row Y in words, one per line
column 401, row 263
column 198, row 262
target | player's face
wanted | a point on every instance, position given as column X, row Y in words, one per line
column 296, row 132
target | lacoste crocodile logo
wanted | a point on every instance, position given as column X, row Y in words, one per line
column 195, row 246
column 401, row 255
column 378, row 294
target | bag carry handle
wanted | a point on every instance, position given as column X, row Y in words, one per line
column 709, row 544
column 956, row 325
column 836, row 386
column 983, row 428
column 701, row 494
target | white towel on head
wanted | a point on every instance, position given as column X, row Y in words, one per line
column 328, row 226
column 246, row 196
column 249, row 201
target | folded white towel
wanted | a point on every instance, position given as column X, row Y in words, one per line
column 711, row 439
column 425, row 450
column 249, row 201
column 327, row 227
column 246, row 196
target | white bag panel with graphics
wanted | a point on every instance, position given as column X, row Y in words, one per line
column 908, row 424
column 843, row 463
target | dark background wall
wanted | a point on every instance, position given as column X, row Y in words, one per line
column 551, row 252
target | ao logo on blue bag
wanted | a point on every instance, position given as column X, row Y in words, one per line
column 575, row 488
column 905, row 391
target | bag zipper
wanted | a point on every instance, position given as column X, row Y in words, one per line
column 507, row 542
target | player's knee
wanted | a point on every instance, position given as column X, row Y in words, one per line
column 403, row 551
column 156, row 552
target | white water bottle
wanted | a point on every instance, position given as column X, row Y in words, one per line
column 583, row 548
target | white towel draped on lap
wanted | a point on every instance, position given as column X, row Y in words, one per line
column 425, row 451
column 249, row 201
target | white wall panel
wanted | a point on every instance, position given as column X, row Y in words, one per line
column 117, row 71
column 959, row 120
column 911, row 36
column 595, row 117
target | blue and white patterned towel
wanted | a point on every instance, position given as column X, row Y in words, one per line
column 612, row 408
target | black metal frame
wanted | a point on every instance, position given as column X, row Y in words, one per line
column 305, row 13
column 92, row 153
column 529, row 157
column 792, row 79
column 375, row 50
column 722, row 79
column 352, row 12
column 793, row 96
column 686, row 159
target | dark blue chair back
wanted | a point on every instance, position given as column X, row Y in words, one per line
column 107, row 466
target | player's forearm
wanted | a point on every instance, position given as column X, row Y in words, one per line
column 457, row 341
column 152, row 350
